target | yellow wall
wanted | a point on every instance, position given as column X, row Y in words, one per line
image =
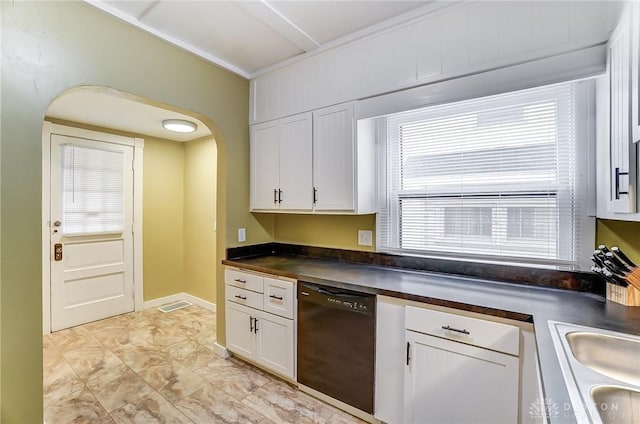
column 45, row 51
column 163, row 217
column 336, row 231
column 199, row 217
column 625, row 235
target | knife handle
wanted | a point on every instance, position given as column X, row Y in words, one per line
column 612, row 278
column 622, row 256
column 617, row 262
column 614, row 269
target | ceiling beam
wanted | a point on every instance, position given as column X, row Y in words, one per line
column 271, row 17
column 105, row 7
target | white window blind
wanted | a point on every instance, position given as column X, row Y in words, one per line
column 93, row 190
column 492, row 178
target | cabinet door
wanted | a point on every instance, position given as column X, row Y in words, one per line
column 275, row 348
column 240, row 335
column 265, row 166
column 450, row 382
column 333, row 158
column 295, row 163
column 635, row 71
column 622, row 152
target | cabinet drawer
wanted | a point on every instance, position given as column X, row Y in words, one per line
column 242, row 279
column 278, row 297
column 487, row 334
column 243, row 297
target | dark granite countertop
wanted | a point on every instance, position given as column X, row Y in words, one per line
column 521, row 302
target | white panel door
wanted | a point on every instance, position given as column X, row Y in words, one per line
column 334, row 158
column 265, row 165
column 296, row 189
column 91, row 219
column 450, row 382
column 275, row 343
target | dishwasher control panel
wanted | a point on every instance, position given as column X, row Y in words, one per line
column 348, row 304
column 337, row 298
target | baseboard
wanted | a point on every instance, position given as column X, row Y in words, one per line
column 200, row 302
column 221, row 350
column 154, row 303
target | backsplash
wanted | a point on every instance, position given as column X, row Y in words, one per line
column 624, row 234
column 566, row 280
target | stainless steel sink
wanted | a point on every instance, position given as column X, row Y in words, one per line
column 616, row 404
column 601, row 369
column 615, row 357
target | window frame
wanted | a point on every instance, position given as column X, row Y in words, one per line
column 584, row 198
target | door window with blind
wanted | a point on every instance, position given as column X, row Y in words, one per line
column 492, row 178
column 92, row 191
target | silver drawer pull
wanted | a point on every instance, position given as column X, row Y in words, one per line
column 240, row 281
column 446, row 327
column 241, row 297
column 272, row 296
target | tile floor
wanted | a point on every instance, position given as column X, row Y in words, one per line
column 152, row 367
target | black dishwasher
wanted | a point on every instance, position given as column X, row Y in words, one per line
column 336, row 343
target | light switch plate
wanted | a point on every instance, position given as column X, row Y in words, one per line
column 365, row 237
column 242, row 234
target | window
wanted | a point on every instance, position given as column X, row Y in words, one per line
column 492, row 178
column 93, row 190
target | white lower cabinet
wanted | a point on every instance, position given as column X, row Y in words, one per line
column 264, row 338
column 459, row 369
column 441, row 365
column 259, row 322
column 240, row 335
column 451, row 382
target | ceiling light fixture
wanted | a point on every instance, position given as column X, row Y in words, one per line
column 179, row 125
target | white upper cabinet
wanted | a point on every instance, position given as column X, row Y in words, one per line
column 333, row 158
column 295, row 163
column 329, row 169
column 265, row 165
column 281, row 156
column 618, row 116
column 635, row 72
column 343, row 162
column 622, row 151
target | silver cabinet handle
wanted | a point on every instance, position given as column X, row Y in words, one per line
column 275, row 297
column 446, row 327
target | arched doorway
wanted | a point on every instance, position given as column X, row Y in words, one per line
column 174, row 203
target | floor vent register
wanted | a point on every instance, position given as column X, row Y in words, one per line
column 174, row 306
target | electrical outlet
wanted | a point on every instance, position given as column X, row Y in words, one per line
column 242, row 235
column 365, row 237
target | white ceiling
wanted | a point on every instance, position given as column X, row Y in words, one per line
column 100, row 108
column 247, row 36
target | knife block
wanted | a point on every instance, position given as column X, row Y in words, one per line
column 628, row 296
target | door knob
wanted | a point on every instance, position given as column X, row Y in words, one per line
column 57, row 223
